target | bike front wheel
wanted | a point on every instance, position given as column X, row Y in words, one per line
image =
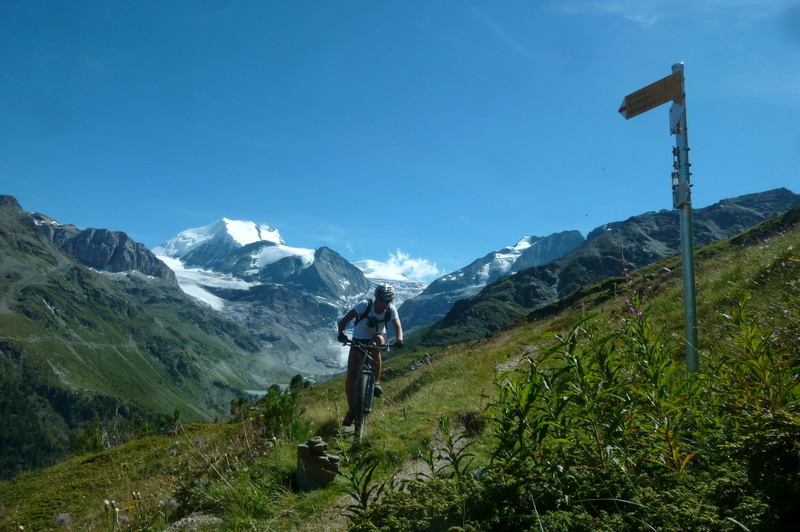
column 363, row 402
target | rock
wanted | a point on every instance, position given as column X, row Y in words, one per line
column 315, row 467
column 195, row 522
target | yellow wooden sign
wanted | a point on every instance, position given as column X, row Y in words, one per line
column 662, row 91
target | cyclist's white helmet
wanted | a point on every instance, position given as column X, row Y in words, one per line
column 385, row 292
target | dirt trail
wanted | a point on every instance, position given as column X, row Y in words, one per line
column 333, row 518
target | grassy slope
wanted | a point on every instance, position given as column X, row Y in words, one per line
column 764, row 262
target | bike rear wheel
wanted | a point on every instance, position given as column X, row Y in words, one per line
column 363, row 402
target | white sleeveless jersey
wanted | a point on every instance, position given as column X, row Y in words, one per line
column 362, row 330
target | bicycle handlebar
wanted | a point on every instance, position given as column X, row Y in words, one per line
column 386, row 347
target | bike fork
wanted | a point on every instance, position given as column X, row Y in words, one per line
column 370, row 395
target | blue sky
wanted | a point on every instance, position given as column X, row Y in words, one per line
column 427, row 131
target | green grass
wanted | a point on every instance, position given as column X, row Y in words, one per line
column 581, row 414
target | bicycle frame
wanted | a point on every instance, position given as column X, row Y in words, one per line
column 364, row 393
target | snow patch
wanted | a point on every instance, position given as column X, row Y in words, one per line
column 194, row 280
column 247, row 232
column 506, row 257
column 271, row 254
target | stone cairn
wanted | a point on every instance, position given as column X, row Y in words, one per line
column 315, row 467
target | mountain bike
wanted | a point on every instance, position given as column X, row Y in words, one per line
column 364, row 393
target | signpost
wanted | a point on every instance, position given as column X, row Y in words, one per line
column 655, row 94
column 671, row 88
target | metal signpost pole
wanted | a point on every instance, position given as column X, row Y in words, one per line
column 682, row 200
column 641, row 101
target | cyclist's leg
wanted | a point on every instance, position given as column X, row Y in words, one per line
column 377, row 362
column 377, row 359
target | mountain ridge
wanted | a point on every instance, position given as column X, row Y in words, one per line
column 638, row 241
column 103, row 249
column 439, row 296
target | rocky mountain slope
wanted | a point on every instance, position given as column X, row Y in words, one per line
column 78, row 344
column 104, row 250
column 641, row 239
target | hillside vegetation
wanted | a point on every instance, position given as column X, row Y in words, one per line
column 578, row 417
column 126, row 349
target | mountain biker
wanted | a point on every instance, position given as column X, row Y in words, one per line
column 371, row 318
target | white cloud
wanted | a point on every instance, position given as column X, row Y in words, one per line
column 400, row 266
column 415, row 269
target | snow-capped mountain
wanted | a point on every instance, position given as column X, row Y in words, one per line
column 206, row 246
column 235, row 251
column 289, row 298
column 438, row 298
column 495, row 265
column 229, row 254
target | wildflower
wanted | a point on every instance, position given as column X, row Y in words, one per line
column 64, row 520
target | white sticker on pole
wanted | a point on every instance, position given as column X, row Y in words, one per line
column 676, row 112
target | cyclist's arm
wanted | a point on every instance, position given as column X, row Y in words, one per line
column 350, row 316
column 398, row 329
